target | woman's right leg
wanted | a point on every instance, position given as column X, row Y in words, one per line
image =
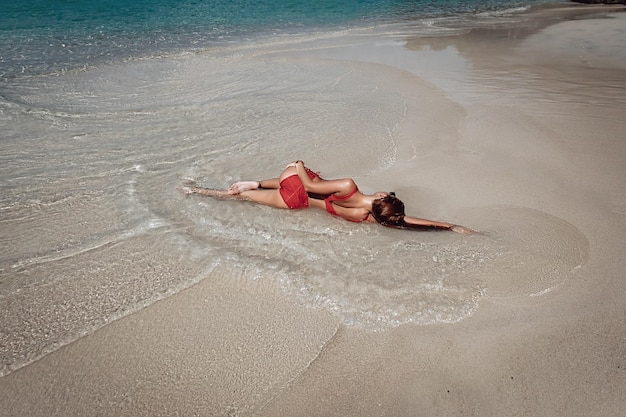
column 269, row 197
column 211, row 193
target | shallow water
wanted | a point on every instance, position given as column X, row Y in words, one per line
column 93, row 227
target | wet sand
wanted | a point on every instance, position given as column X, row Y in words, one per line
column 538, row 135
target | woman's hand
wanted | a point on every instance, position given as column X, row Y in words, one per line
column 294, row 163
column 462, row 230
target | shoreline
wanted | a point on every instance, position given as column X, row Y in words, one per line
column 231, row 346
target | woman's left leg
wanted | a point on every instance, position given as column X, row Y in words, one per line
column 272, row 183
column 241, row 186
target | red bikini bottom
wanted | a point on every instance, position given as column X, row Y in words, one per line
column 293, row 193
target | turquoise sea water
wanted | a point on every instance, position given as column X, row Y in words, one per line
column 38, row 36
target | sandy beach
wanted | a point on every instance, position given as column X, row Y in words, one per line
column 530, row 149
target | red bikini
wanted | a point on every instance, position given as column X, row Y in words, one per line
column 293, row 193
column 331, row 209
column 295, row 196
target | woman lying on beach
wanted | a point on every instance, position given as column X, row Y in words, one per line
column 299, row 187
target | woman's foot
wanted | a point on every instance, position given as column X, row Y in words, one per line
column 189, row 181
column 185, row 190
column 241, row 186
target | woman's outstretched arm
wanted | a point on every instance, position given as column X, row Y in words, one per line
column 427, row 223
column 431, row 224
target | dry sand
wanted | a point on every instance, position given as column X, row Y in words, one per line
column 546, row 132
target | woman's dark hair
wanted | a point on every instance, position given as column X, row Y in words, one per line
column 389, row 211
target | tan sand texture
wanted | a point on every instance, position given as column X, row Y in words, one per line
column 209, row 350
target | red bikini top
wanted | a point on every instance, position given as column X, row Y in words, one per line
column 329, row 204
